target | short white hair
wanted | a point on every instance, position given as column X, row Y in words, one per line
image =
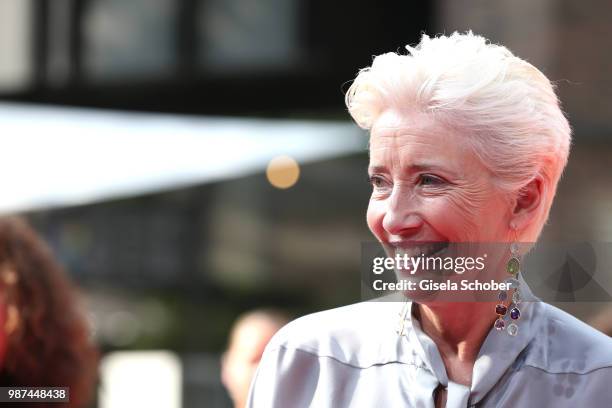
column 505, row 106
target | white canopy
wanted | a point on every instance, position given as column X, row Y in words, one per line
column 65, row 156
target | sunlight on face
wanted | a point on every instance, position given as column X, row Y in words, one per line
column 429, row 185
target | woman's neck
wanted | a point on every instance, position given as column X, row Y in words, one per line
column 458, row 329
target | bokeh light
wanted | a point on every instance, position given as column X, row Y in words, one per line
column 283, row 172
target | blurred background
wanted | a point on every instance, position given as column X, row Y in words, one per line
column 140, row 139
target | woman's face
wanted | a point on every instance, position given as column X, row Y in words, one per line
column 428, row 185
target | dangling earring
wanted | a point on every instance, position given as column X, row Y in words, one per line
column 513, row 267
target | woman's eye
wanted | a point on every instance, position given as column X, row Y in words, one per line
column 376, row 181
column 429, row 180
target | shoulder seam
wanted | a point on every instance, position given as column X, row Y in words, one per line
column 313, row 354
column 568, row 371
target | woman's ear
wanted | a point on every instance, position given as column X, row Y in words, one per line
column 528, row 202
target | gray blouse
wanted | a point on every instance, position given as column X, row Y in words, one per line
column 353, row 357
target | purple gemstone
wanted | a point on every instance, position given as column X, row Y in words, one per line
column 501, row 309
column 515, row 313
column 500, row 324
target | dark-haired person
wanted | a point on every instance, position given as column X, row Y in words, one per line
column 44, row 336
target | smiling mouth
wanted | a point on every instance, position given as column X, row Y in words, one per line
column 415, row 250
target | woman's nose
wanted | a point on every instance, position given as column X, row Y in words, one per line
column 401, row 217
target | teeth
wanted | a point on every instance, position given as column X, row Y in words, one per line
column 427, row 250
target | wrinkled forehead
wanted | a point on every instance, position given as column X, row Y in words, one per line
column 396, row 129
column 401, row 140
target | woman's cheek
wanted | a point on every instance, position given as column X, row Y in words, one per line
column 374, row 218
column 452, row 216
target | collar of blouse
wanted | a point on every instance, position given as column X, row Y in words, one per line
column 498, row 353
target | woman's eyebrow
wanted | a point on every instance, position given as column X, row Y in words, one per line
column 413, row 168
column 377, row 169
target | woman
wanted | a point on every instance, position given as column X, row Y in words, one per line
column 467, row 144
column 45, row 341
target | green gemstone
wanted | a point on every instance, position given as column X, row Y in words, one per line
column 513, row 266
